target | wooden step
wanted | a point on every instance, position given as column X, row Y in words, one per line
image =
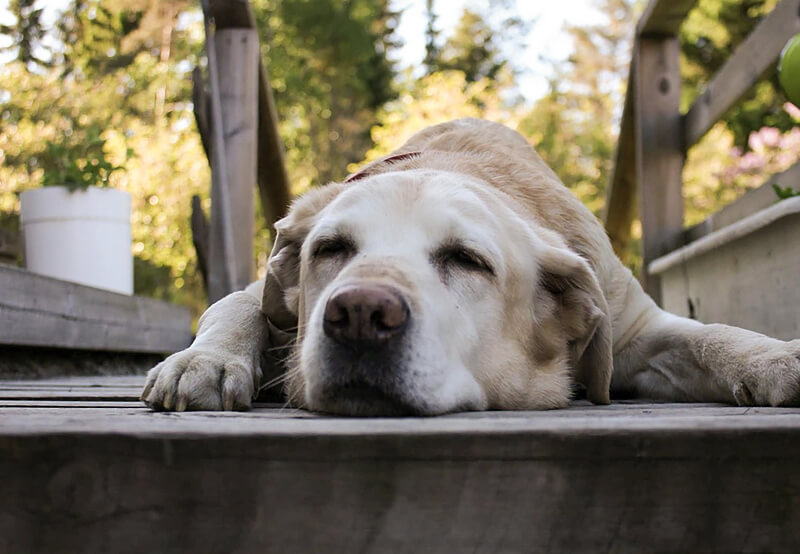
column 40, row 311
column 86, row 468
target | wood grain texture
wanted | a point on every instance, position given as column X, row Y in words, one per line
column 663, row 17
column 621, row 197
column 748, row 64
column 106, row 476
column 659, row 159
column 747, row 278
column 273, row 180
column 40, row 311
column 237, row 55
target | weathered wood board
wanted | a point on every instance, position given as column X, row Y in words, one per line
column 101, row 476
column 745, row 274
column 237, row 55
column 39, row 311
column 659, row 160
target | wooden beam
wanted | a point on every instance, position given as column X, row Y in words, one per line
column 663, row 17
column 86, row 471
column 273, row 180
column 659, row 149
column 748, row 64
column 40, row 311
column 202, row 115
column 621, row 196
column 237, row 63
column 200, row 237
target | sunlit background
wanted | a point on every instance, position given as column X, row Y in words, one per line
column 352, row 80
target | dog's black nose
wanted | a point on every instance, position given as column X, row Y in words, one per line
column 365, row 315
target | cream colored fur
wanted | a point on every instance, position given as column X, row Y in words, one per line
column 556, row 309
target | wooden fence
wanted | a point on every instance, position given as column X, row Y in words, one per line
column 655, row 135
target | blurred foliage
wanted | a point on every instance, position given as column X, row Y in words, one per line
column 708, row 37
column 785, row 192
column 79, row 163
column 330, row 72
column 26, row 36
column 121, row 102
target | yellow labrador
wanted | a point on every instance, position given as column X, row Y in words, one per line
column 458, row 274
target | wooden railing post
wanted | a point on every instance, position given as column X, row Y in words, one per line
column 238, row 66
column 659, row 150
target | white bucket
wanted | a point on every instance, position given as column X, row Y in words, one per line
column 81, row 236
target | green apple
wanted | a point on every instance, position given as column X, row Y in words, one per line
column 789, row 70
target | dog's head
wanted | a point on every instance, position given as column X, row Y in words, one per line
column 424, row 292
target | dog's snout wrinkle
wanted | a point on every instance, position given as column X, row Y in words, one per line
column 363, row 315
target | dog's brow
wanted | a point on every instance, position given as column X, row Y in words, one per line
column 333, row 238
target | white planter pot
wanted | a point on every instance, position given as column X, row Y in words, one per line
column 81, row 236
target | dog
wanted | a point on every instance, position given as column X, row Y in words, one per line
column 457, row 273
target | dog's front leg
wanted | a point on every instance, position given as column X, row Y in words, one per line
column 675, row 358
column 220, row 369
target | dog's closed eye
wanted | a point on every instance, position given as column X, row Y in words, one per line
column 333, row 247
column 457, row 255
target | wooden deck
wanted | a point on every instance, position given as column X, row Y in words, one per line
column 86, row 468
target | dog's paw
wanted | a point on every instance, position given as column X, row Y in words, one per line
column 202, row 379
column 771, row 377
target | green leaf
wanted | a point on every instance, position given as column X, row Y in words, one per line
column 785, row 192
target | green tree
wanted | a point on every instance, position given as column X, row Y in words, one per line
column 330, row 70
column 26, row 34
column 574, row 127
column 431, row 36
column 472, row 48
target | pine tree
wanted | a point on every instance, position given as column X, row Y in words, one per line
column 431, row 60
column 26, row 34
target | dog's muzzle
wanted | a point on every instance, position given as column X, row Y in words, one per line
column 366, row 325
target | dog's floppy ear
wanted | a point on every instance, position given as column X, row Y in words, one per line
column 281, row 282
column 582, row 314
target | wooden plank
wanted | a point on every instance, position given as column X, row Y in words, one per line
column 237, row 54
column 130, row 480
column 74, row 394
column 40, row 311
column 81, row 404
column 748, row 64
column 83, row 381
column 748, row 204
column 663, row 17
column 621, row 197
column 114, row 476
column 273, row 180
column 660, row 157
column 743, row 274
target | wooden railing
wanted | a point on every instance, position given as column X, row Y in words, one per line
column 237, row 120
column 654, row 135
